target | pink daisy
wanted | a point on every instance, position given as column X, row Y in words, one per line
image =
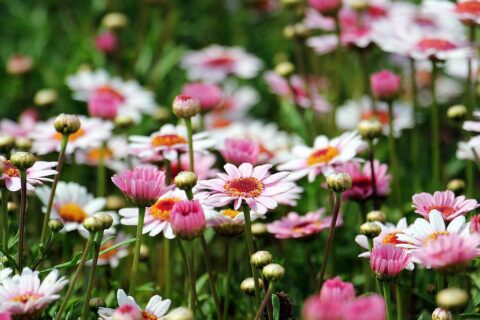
column 295, row 226
column 336, row 289
column 204, row 165
column 255, row 186
column 238, row 151
column 209, row 95
column 23, row 127
column 388, row 261
column 36, row 175
column 445, row 202
column 366, row 308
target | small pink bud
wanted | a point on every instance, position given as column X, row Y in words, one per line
column 385, row 85
column 326, row 7
column 106, row 42
column 185, row 106
column 187, row 219
column 238, row 151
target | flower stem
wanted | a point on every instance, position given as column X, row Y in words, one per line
column 23, row 209
column 470, row 98
column 168, row 171
column 414, row 147
column 167, row 252
column 193, row 286
column 331, row 232
column 91, row 278
column 4, row 219
column 188, row 124
column 388, row 300
column 61, row 159
column 138, row 243
column 211, row 280
column 435, row 131
column 249, row 241
column 101, row 171
column 398, row 295
column 74, row 279
column 230, row 257
column 265, row 301
column 371, row 155
column 393, row 154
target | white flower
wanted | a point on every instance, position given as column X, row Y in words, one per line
column 113, row 256
column 114, row 154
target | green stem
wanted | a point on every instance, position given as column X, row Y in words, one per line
column 168, row 265
column 398, row 295
column 101, row 171
column 388, row 300
column 393, row 154
column 414, row 147
column 331, row 233
column 211, row 280
column 193, row 286
column 249, row 241
column 230, row 257
column 371, row 154
column 168, row 171
column 4, row 192
column 138, row 243
column 188, row 124
column 23, row 210
column 61, row 159
column 74, row 279
column 91, row 278
column 265, row 301
column 435, row 127
column 183, row 253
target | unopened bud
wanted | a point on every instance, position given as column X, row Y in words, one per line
column 92, row 224
column 376, row 215
column 339, row 182
column 105, row 219
column 453, row 299
column 45, row 97
column 185, row 106
column 180, row 314
column 457, row 113
column 22, row 160
column 23, row 144
column 123, row 122
column 284, row 68
column 55, row 225
column 261, row 258
column 115, row 20
column 6, row 143
column 456, row 185
column 259, row 229
column 441, row 314
column 96, row 303
column 185, row 180
column 248, row 286
column 115, row 202
column 370, row 129
column 370, row 229
column 273, row 272
column 67, row 123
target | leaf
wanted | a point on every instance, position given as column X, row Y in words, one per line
column 11, row 261
column 470, row 316
column 276, row 307
column 65, row 265
column 106, row 240
column 117, row 245
column 202, row 280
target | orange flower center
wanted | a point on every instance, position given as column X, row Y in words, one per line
column 10, row 170
column 26, row 297
column 167, row 140
column 392, row 238
column 110, row 253
column 445, row 210
column 435, row 236
column 95, row 154
column 107, row 90
column 72, row 212
column 74, row 136
column 471, row 7
column 230, row 213
column 162, row 208
column 380, row 116
column 435, row 44
column 148, row 316
column 244, row 187
column 322, row 156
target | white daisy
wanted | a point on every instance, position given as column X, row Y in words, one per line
column 114, row 154
column 113, row 256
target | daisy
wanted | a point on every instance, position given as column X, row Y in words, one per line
column 113, row 256
column 255, row 186
column 324, row 155
column 23, row 127
column 228, row 222
column 214, row 63
column 466, row 11
column 108, row 97
column 36, row 174
column 92, row 133
column 204, row 165
column 469, row 150
column 114, row 154
column 155, row 309
column 294, row 226
column 349, row 115
column 445, row 202
column 388, row 261
column 421, row 232
column 26, row 294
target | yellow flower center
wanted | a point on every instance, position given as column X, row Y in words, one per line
column 244, row 187
column 10, row 170
column 72, row 212
column 435, row 236
column 95, row 154
column 167, row 140
column 230, row 213
column 162, row 208
column 110, row 253
column 445, row 210
column 74, row 136
column 392, row 238
column 148, row 316
column 322, row 156
column 26, row 297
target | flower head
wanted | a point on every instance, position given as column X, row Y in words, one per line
column 228, row 222
column 385, row 85
column 388, row 261
column 336, row 289
column 106, row 42
column 445, row 202
column 238, row 151
column 187, row 219
column 209, row 95
column 326, row 7
column 36, row 174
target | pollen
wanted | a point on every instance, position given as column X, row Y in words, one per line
column 148, row 316
column 10, row 170
column 167, row 140
column 244, row 187
column 72, row 212
column 110, row 253
column 95, row 154
column 162, row 208
column 435, row 236
column 322, row 156
column 230, row 213
column 26, row 297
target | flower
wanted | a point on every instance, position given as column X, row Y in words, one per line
column 127, row 312
column 336, row 289
column 227, row 222
column 91, row 134
column 19, row 64
column 362, row 180
column 157, row 216
column 255, row 186
column 204, row 165
column 474, row 224
column 25, row 124
column 113, row 256
column 114, row 154
column 155, row 309
column 449, row 252
column 294, row 226
column 469, row 150
column 323, row 156
column 445, row 202
column 238, row 151
column 187, row 219
column 109, row 97
column 26, row 294
column 467, row 11
column 370, row 307
column 36, row 174
column 214, row 63
column 326, row 7
column 106, row 42
column 385, row 85
column 387, row 261
column 209, row 95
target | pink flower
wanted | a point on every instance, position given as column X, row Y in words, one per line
column 209, row 95
column 475, row 224
column 336, row 289
column 5, row 316
column 106, row 42
column 204, row 165
column 366, row 308
column 387, row 261
column 385, row 85
column 238, row 151
column 448, row 252
column 104, row 103
column 19, row 64
column 296, row 226
column 187, row 219
column 326, row 7
column 127, row 312
column 315, row 308
column 142, row 186
column 468, row 11
column 25, row 124
column 36, row 174
column 255, row 186
column 362, row 179
column 444, row 201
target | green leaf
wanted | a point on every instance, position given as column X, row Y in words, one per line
column 276, row 307
column 117, row 245
column 11, row 261
column 470, row 316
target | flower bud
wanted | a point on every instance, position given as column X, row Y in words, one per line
column 456, row 185
column 180, row 314
column 123, row 122
column 115, row 202
column 67, row 123
column 326, row 7
column 370, row 229
column 185, row 106
column 55, row 225
column 23, row 144
column 19, row 65
column 96, row 303
column 261, row 258
column 370, row 129
column 339, row 182
column 92, row 224
column 284, row 68
column 6, row 143
column 22, row 160
column 187, row 219
column 45, row 97
column 289, row 31
column 144, row 252
column 12, row 207
column 105, row 219
column 185, row 180
column 115, row 20
column 376, row 215
column 273, row 272
column 457, row 113
column 259, row 229
column 358, row 5
column 248, row 286
column 475, row 224
column 385, row 85
column 452, row 299
column 441, row 314
column 291, row 3
column 161, row 114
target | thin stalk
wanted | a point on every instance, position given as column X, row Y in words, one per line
column 398, row 296
column 138, row 243
column 4, row 192
column 414, row 147
column 167, row 252
column 193, row 287
column 388, row 300
column 183, row 253
column 211, row 280
column 265, row 301
column 61, row 159
column 470, row 94
column 168, row 171
column 371, row 155
column 75, row 276
column 249, row 241
column 23, row 209
column 331, row 232
column 91, row 278
column 101, row 171
column 435, row 127
column 188, row 124
column 230, row 257
column 393, row 154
